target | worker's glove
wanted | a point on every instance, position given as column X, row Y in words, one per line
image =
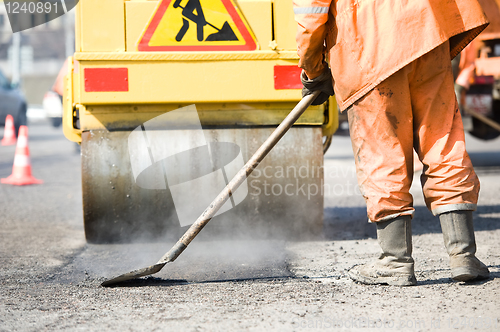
column 323, row 82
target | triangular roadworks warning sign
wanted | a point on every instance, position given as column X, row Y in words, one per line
column 197, row 25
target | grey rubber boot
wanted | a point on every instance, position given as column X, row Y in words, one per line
column 395, row 266
column 458, row 234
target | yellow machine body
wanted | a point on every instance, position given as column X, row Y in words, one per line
column 112, row 86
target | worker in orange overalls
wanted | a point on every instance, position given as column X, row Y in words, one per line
column 390, row 61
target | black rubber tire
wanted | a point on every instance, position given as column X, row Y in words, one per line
column 56, row 122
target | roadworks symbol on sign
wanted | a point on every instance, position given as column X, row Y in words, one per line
column 197, row 25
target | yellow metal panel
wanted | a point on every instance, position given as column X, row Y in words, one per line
column 76, row 82
column 68, row 114
column 285, row 26
column 258, row 14
column 102, row 25
column 193, row 82
column 138, row 14
column 78, row 28
column 186, row 56
column 228, row 115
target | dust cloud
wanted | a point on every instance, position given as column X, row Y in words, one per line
column 203, row 261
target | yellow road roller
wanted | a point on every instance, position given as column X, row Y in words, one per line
column 167, row 97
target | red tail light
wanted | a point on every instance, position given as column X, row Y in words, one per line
column 106, row 79
column 287, row 77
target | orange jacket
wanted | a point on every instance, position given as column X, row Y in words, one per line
column 367, row 41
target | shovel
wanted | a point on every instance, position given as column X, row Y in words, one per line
column 223, row 34
column 219, row 201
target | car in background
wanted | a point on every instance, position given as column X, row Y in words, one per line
column 52, row 105
column 52, row 101
column 13, row 102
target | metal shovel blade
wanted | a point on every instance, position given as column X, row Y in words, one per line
column 134, row 274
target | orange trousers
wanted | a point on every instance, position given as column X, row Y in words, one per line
column 414, row 108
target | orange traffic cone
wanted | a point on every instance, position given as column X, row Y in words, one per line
column 9, row 134
column 21, row 171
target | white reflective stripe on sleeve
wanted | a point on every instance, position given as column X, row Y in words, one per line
column 311, row 10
